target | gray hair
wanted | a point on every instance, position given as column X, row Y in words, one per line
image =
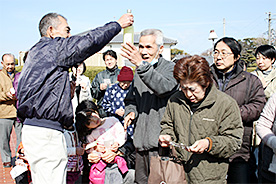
column 155, row 32
column 50, row 19
column 8, row 54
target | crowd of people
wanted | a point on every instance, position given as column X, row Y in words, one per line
column 108, row 130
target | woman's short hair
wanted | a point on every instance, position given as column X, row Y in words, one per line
column 78, row 64
column 267, row 51
column 233, row 44
column 193, row 69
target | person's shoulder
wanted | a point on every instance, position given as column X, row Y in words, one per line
column 113, row 87
column 249, row 76
column 177, row 96
column 111, row 120
column 85, row 77
column 166, row 65
column 166, row 62
column 224, row 98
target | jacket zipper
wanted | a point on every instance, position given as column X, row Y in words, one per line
column 223, row 82
column 189, row 138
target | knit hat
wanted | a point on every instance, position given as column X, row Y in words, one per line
column 126, row 74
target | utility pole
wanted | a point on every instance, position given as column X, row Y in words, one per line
column 223, row 27
column 269, row 29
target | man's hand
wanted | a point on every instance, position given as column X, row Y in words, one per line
column 11, row 96
column 103, row 86
column 128, row 119
column 131, row 53
column 120, row 112
column 126, row 20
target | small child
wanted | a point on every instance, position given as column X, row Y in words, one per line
column 103, row 135
column 74, row 152
column 21, row 161
column 113, row 101
column 113, row 104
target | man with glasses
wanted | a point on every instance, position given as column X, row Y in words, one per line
column 248, row 92
column 8, row 108
column 152, row 86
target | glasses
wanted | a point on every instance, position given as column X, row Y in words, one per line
column 222, row 54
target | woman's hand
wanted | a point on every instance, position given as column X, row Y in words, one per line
column 120, row 112
column 108, row 156
column 164, row 140
column 199, row 146
column 114, row 147
column 93, row 157
column 100, row 148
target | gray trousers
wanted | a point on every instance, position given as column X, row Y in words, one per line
column 142, row 165
column 5, row 134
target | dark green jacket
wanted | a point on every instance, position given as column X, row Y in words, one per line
column 218, row 117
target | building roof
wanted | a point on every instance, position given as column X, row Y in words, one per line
column 209, row 59
column 119, row 39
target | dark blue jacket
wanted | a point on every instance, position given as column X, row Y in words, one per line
column 44, row 87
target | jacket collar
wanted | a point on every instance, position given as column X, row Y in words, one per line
column 235, row 72
column 160, row 61
column 236, row 77
column 6, row 73
column 112, row 71
column 210, row 99
column 269, row 77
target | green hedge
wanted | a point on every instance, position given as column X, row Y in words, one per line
column 91, row 71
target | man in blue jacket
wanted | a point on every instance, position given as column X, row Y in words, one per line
column 44, row 91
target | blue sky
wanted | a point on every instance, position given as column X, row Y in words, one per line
column 189, row 22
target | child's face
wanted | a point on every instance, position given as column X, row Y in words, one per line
column 124, row 84
column 94, row 121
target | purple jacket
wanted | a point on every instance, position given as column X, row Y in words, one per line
column 15, row 85
column 44, row 86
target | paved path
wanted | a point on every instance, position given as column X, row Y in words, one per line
column 5, row 176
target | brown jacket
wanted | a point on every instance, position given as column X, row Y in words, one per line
column 7, row 106
column 248, row 92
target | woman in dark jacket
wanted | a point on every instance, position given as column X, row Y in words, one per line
column 247, row 90
column 203, row 118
